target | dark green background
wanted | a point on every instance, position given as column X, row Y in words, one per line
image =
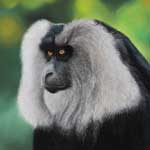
column 129, row 16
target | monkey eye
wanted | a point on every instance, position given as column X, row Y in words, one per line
column 50, row 53
column 62, row 52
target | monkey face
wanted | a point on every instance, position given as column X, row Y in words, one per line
column 81, row 62
column 63, row 61
column 56, row 75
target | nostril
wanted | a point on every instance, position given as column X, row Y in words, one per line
column 48, row 77
column 49, row 74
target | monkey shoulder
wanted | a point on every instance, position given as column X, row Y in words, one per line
column 123, row 131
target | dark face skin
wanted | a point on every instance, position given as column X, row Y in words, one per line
column 56, row 74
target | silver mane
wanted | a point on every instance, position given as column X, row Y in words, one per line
column 102, row 84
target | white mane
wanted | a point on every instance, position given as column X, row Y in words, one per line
column 108, row 89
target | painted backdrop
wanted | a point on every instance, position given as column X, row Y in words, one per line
column 129, row 16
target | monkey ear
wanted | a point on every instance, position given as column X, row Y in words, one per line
column 132, row 57
column 30, row 102
column 127, row 49
column 129, row 54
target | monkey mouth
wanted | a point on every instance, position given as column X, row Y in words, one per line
column 55, row 88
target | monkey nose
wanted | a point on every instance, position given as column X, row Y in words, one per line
column 48, row 77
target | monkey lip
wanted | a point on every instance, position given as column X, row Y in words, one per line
column 55, row 89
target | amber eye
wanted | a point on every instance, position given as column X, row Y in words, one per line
column 61, row 52
column 50, row 53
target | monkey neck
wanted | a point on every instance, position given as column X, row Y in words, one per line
column 113, row 131
column 93, row 101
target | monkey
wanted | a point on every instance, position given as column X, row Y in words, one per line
column 84, row 86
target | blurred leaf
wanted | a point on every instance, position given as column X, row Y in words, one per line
column 91, row 9
column 14, row 132
column 56, row 12
column 113, row 5
column 34, row 4
column 11, row 29
column 9, row 3
column 134, row 20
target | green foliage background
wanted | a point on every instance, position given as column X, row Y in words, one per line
column 129, row 16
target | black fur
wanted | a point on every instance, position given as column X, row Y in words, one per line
column 125, row 131
column 137, row 64
column 49, row 40
column 48, row 43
